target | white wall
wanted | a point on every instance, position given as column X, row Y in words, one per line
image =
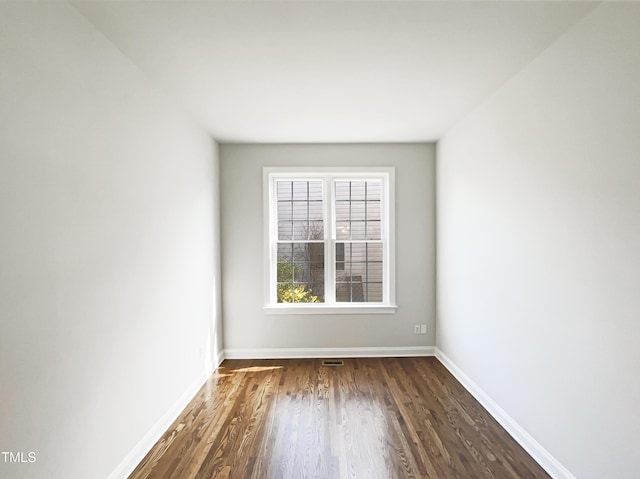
column 107, row 251
column 538, row 246
column 245, row 324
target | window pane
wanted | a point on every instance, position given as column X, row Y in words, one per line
column 301, row 253
column 374, row 190
column 374, row 251
column 300, row 210
column 373, row 230
column 357, row 253
column 300, row 230
column 359, row 277
column 300, row 190
column 374, row 272
column 315, row 191
column 358, row 210
column 374, row 292
column 373, row 210
column 358, row 190
column 339, row 256
column 299, row 225
column 300, row 274
column 315, row 230
column 285, row 262
column 315, row 211
column 357, row 230
column 285, row 230
column 342, row 190
column 284, row 211
column 349, row 292
column 343, row 231
column 301, row 203
column 284, row 218
column 284, row 205
column 284, row 190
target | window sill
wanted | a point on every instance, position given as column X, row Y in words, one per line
column 331, row 309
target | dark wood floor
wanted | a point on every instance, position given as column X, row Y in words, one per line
column 371, row 418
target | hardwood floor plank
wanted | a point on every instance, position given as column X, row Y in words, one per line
column 387, row 418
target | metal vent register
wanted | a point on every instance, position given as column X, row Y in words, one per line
column 333, row 362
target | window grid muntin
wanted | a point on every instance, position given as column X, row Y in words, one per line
column 383, row 179
column 366, row 202
column 367, row 263
column 313, row 285
column 294, row 200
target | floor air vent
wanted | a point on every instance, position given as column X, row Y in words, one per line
column 333, row 362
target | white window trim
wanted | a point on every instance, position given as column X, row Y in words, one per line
column 270, row 175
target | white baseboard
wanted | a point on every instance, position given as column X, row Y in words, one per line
column 137, row 454
column 534, row 448
column 131, row 461
column 549, row 463
column 284, row 353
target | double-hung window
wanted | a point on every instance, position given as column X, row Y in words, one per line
column 329, row 240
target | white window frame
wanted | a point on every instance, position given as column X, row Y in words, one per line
column 329, row 175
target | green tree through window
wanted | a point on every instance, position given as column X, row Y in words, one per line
column 288, row 290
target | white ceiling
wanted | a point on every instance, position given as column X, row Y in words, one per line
column 331, row 71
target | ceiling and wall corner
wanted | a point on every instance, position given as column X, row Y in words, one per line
column 249, row 329
column 108, row 249
column 331, row 72
column 271, row 72
column 538, row 259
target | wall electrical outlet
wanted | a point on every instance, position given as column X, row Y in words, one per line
column 423, row 329
column 416, row 329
